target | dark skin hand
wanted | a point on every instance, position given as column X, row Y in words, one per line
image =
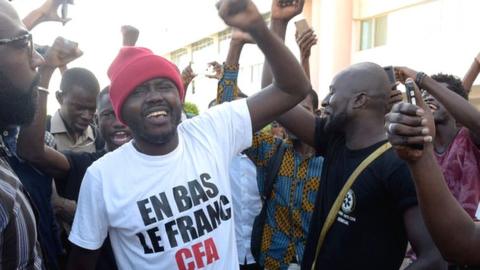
column 129, row 35
column 217, row 71
column 281, row 16
column 239, row 39
column 187, row 76
column 441, row 212
column 305, row 42
column 30, row 143
column 47, row 12
column 462, row 110
column 471, row 74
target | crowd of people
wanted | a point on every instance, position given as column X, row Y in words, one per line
column 122, row 178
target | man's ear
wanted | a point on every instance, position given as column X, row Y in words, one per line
column 359, row 100
column 59, row 96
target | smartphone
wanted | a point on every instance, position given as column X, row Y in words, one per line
column 302, row 26
column 391, row 74
column 64, row 10
column 410, row 90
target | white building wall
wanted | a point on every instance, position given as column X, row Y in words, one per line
column 437, row 36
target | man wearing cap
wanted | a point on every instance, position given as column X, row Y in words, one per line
column 165, row 198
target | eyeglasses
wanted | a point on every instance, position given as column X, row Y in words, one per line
column 23, row 41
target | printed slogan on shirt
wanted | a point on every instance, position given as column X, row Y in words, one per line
column 186, row 228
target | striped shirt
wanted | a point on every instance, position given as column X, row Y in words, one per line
column 19, row 248
column 291, row 204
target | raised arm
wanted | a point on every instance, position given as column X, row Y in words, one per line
column 129, row 35
column 290, row 85
column 47, row 12
column 305, row 42
column 298, row 120
column 408, row 124
column 462, row 110
column 471, row 74
column 30, row 144
column 227, row 89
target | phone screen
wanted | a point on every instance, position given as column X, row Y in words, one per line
column 410, row 89
column 302, row 26
column 391, row 74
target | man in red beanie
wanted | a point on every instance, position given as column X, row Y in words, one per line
column 165, row 198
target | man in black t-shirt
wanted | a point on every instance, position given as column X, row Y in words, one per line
column 379, row 213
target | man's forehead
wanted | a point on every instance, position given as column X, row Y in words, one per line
column 156, row 80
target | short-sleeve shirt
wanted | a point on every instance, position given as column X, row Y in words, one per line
column 460, row 165
column 64, row 142
column 172, row 211
column 368, row 232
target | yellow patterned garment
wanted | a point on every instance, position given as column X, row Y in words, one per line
column 290, row 207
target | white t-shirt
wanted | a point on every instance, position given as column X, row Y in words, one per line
column 172, row 211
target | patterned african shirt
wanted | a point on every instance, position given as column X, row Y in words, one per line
column 291, row 204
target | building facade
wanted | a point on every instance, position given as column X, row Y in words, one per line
column 427, row 35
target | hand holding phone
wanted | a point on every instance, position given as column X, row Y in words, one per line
column 302, row 27
column 391, row 74
column 410, row 90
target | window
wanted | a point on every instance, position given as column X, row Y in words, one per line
column 203, row 50
column 180, row 58
column 224, row 43
column 373, row 32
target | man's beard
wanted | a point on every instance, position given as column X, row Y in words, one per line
column 17, row 106
column 156, row 139
column 336, row 123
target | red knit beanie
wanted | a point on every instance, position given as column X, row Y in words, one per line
column 134, row 66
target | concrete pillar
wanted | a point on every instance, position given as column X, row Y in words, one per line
column 332, row 20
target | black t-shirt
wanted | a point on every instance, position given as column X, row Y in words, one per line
column 69, row 187
column 368, row 232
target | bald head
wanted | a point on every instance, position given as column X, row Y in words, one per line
column 368, row 77
column 8, row 16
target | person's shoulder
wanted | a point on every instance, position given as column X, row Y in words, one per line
column 390, row 159
column 213, row 117
column 220, row 110
column 84, row 155
column 392, row 165
column 105, row 160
